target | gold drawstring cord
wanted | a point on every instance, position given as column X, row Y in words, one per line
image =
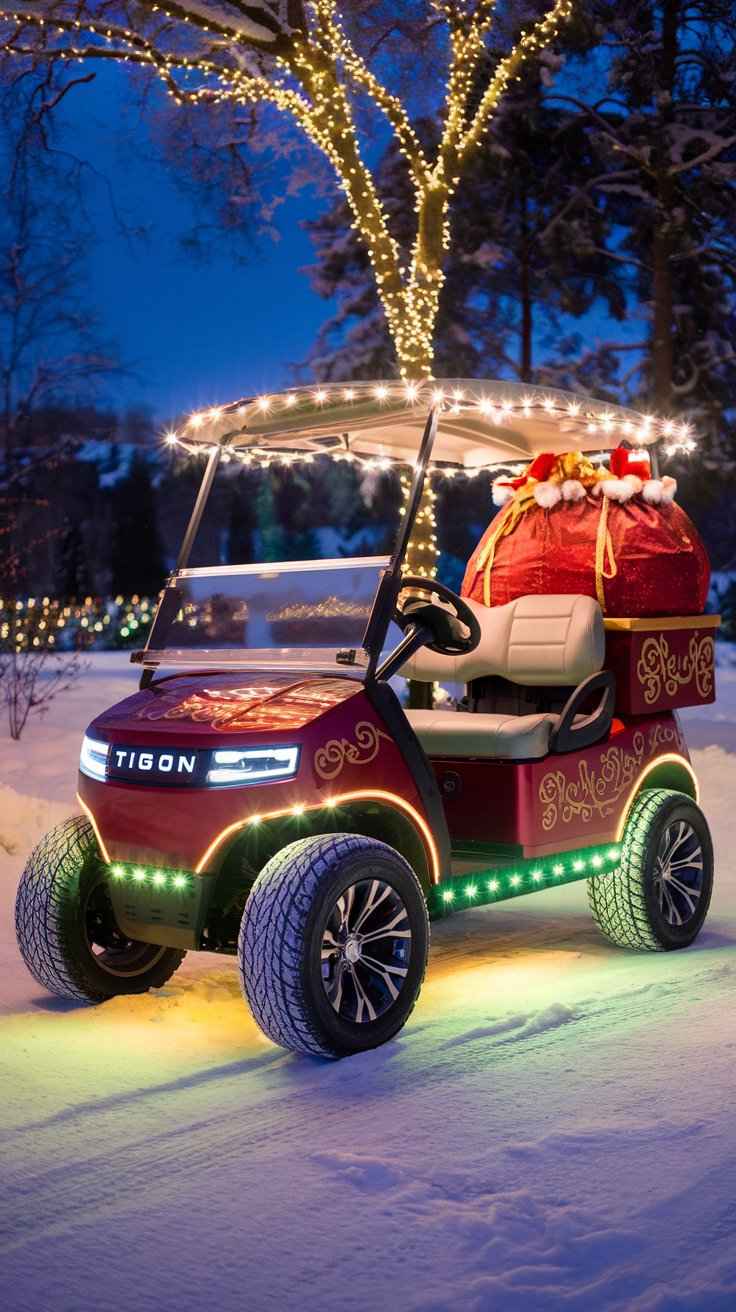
column 570, row 465
column 603, row 550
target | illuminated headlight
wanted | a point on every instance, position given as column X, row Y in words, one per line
column 93, row 758
column 251, row 765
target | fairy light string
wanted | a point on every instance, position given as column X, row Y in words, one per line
column 239, row 420
column 301, row 59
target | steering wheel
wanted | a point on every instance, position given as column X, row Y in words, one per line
column 455, row 631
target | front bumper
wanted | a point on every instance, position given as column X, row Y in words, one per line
column 156, row 905
column 174, row 828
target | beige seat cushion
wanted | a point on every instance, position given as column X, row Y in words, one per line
column 538, row 640
column 468, row 733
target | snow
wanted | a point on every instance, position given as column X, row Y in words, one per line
column 554, row 1129
column 231, row 17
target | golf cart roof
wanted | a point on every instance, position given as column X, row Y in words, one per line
column 481, row 424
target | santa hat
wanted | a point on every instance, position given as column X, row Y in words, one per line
column 539, row 471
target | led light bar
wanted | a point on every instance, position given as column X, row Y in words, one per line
column 179, row 881
column 93, row 758
column 526, row 877
column 249, row 765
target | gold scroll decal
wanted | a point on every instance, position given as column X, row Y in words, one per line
column 660, row 670
column 597, row 786
column 331, row 759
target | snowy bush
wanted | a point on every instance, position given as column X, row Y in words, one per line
column 30, row 680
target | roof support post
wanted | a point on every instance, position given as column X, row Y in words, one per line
column 195, row 518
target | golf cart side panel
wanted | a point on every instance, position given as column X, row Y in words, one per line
column 563, row 802
column 347, row 752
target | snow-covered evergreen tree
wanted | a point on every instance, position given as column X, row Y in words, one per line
column 662, row 112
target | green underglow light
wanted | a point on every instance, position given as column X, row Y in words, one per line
column 158, row 879
column 530, row 876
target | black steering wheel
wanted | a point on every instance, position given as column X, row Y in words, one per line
column 454, row 632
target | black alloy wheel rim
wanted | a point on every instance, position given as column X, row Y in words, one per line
column 678, row 873
column 109, row 947
column 366, row 949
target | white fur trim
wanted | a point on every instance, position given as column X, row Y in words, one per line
column 635, row 482
column 669, row 488
column 572, row 490
column 501, row 495
column 652, row 491
column 547, row 495
column 618, row 489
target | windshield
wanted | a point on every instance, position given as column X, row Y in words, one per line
column 307, row 615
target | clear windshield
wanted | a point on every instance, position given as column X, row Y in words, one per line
column 295, row 614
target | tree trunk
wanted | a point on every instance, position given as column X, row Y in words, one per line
column 662, row 332
column 421, row 555
column 525, row 353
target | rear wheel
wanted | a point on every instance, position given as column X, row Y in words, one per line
column 66, row 928
column 659, row 897
column 333, row 945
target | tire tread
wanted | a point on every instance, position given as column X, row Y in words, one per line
column 50, row 879
column 618, row 901
column 271, row 940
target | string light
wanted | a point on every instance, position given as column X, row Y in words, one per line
column 498, row 408
column 525, row 877
column 314, row 70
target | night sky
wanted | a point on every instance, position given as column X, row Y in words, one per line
column 194, row 334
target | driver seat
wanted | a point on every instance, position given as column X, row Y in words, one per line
column 554, row 642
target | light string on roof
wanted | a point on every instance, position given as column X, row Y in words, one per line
column 573, row 415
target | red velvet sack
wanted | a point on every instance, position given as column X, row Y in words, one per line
column 634, row 557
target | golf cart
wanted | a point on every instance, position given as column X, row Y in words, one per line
column 265, row 794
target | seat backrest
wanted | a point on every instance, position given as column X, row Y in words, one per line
column 552, row 641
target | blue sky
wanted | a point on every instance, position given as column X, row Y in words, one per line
column 195, row 334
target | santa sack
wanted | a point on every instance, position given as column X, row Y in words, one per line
column 568, row 526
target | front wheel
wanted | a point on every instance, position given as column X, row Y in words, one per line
column 658, row 899
column 333, row 945
column 66, row 927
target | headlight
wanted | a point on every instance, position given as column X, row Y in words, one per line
column 93, row 758
column 250, row 765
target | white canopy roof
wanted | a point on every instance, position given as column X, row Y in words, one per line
column 481, row 423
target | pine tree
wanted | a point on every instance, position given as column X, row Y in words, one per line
column 73, row 574
column 299, row 509
column 272, row 543
column 136, row 557
column 665, row 125
column 242, row 520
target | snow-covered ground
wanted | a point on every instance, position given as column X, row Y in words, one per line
column 554, row 1128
